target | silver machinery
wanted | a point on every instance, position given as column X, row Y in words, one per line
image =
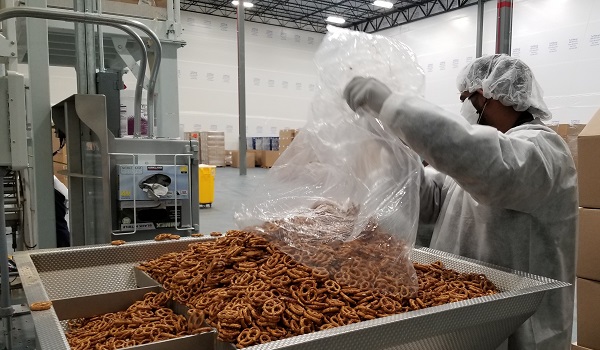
column 97, row 39
column 99, row 211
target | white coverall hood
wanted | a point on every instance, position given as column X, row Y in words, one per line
column 506, row 79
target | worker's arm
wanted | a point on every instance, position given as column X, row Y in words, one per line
column 432, row 183
column 497, row 169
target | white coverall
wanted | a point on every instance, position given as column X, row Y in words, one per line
column 506, row 199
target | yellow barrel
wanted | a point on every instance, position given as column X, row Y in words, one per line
column 206, row 179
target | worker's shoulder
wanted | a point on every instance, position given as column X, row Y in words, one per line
column 534, row 129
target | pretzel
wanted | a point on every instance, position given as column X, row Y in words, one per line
column 40, row 305
column 166, row 237
column 250, row 288
column 118, row 242
column 197, row 235
column 195, row 319
column 249, row 336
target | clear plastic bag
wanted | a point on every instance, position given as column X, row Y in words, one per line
column 345, row 195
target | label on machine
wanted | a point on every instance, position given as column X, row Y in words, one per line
column 150, row 218
column 153, row 182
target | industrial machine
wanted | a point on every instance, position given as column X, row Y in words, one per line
column 91, row 123
column 101, row 42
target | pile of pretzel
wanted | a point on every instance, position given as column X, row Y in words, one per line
column 252, row 292
column 145, row 321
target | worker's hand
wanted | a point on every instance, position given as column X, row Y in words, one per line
column 368, row 93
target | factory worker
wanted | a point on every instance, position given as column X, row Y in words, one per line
column 505, row 191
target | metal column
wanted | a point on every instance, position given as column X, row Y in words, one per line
column 85, row 51
column 504, row 26
column 44, row 224
column 167, row 96
column 480, row 8
column 241, row 85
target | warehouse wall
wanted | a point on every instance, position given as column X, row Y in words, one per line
column 559, row 39
column 280, row 76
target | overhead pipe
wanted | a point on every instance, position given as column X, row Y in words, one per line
column 109, row 20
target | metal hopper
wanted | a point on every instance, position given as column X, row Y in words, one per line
column 481, row 323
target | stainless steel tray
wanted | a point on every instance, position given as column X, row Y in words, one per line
column 478, row 324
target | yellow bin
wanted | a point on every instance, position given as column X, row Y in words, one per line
column 206, row 180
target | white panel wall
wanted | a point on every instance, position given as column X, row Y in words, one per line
column 559, row 39
column 280, row 76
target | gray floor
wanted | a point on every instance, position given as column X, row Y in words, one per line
column 230, row 190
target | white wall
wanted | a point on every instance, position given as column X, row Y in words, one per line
column 559, row 39
column 280, row 76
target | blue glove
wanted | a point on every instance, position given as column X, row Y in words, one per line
column 368, row 93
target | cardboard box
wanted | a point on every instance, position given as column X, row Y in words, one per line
column 59, row 170
column 227, row 158
column 575, row 346
column 286, row 137
column 588, row 244
column 588, row 144
column 588, row 313
column 269, row 158
column 235, row 159
column 569, row 133
column 287, row 133
column 257, row 157
column 61, row 155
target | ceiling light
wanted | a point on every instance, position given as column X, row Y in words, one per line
column 246, row 3
column 383, row 3
column 335, row 19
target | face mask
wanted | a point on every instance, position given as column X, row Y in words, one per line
column 469, row 112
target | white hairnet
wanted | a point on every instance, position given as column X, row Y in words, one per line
column 506, row 79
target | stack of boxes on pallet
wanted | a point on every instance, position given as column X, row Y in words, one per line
column 286, row 137
column 212, row 146
column 588, row 259
column 264, row 151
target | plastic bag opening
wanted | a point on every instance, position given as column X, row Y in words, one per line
column 344, row 196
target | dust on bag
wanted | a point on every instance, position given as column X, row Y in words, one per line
column 345, row 195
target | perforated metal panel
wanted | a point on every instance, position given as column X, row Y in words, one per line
column 481, row 323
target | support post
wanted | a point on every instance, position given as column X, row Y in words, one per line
column 44, row 223
column 241, row 86
column 504, row 26
column 480, row 8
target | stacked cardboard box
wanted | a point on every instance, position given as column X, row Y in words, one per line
column 286, row 136
column 262, row 143
column 212, row 147
column 268, row 158
column 588, row 259
column 235, row 159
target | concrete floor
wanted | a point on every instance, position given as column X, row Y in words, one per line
column 230, row 190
